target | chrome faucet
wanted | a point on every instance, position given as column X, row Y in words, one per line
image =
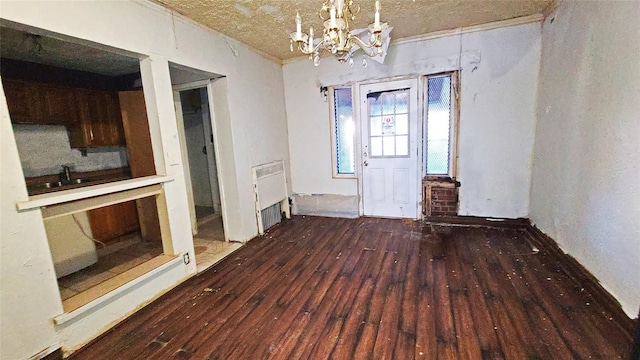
column 65, row 175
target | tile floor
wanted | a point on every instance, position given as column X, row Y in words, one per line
column 203, row 211
column 209, row 244
column 129, row 252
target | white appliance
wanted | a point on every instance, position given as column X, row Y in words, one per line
column 70, row 248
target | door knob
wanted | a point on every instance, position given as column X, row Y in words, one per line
column 366, row 163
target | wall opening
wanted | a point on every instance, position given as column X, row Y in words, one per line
column 80, row 121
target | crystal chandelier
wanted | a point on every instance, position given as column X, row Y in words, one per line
column 337, row 36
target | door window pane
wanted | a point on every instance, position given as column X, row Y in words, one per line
column 402, row 102
column 402, row 124
column 376, row 146
column 387, row 104
column 375, row 106
column 402, row 145
column 438, row 124
column 376, row 125
column 388, row 146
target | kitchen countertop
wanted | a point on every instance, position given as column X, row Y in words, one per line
column 35, row 185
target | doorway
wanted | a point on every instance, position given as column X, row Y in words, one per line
column 201, row 175
column 389, row 130
column 201, row 156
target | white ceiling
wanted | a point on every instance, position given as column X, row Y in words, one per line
column 265, row 24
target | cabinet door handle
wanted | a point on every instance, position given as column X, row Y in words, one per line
column 204, row 150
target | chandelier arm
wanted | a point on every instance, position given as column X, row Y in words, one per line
column 302, row 50
column 324, row 8
column 364, row 45
column 313, row 49
column 357, row 10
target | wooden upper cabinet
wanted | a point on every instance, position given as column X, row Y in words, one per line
column 34, row 103
column 58, row 104
column 91, row 116
column 100, row 123
column 23, row 101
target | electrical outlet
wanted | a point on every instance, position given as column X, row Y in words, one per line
column 186, row 259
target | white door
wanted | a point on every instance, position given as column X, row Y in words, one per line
column 389, row 123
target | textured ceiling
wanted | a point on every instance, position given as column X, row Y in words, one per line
column 265, row 24
column 41, row 49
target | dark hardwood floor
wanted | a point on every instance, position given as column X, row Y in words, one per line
column 317, row 288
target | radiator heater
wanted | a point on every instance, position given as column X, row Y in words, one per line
column 271, row 197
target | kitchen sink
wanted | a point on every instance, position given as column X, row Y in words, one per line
column 55, row 184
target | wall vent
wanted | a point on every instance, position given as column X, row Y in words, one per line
column 271, row 195
column 271, row 216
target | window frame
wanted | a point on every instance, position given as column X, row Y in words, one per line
column 334, row 141
column 454, row 123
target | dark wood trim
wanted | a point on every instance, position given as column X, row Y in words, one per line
column 55, row 355
column 635, row 351
column 477, row 221
column 580, row 275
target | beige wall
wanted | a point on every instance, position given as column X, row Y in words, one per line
column 497, row 117
column 585, row 191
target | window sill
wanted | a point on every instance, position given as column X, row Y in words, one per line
column 440, row 180
column 344, row 176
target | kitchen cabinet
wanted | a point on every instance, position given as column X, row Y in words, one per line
column 100, row 122
column 34, row 103
column 21, row 101
column 58, row 104
column 109, row 222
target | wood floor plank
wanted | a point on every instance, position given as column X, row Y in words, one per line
column 329, row 288
column 482, row 321
column 426, row 340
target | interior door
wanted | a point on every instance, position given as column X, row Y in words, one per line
column 389, row 128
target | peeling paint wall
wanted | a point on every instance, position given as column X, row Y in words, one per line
column 498, row 80
column 326, row 205
column 585, row 192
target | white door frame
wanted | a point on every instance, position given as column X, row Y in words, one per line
column 183, row 148
column 400, row 82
